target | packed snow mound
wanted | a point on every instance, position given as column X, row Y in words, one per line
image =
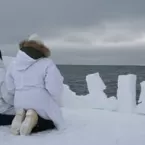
column 96, row 98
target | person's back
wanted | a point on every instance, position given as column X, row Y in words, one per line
column 5, row 107
column 36, row 82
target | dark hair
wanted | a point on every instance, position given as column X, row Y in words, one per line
column 33, row 53
column 40, row 47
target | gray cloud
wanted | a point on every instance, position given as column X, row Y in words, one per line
column 51, row 18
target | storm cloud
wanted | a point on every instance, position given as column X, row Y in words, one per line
column 114, row 29
column 72, row 21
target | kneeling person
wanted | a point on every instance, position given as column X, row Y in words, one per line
column 36, row 85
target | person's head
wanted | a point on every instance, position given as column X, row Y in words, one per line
column 34, row 47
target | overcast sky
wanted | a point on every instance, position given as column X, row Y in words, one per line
column 80, row 24
column 73, row 22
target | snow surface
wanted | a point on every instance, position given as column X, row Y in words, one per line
column 93, row 119
column 87, row 127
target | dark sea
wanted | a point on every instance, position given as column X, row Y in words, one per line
column 75, row 76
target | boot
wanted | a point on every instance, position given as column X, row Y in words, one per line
column 17, row 122
column 29, row 123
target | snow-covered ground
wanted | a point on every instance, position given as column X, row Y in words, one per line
column 87, row 127
column 93, row 119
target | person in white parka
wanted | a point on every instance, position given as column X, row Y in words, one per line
column 36, row 84
column 6, row 108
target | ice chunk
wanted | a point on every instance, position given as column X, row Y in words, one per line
column 141, row 107
column 95, row 83
column 96, row 98
column 126, row 93
column 142, row 94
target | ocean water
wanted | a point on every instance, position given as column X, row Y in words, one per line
column 75, row 76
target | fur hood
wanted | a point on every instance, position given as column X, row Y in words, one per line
column 40, row 47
